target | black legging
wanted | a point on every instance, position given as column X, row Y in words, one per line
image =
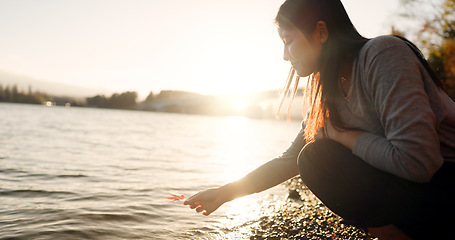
column 365, row 196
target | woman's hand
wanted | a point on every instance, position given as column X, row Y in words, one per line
column 345, row 137
column 206, row 201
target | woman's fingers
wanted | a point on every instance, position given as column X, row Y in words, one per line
column 194, row 202
column 194, row 205
column 204, row 202
column 191, row 200
column 199, row 209
column 205, row 211
column 197, row 198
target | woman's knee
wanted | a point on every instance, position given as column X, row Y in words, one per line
column 320, row 155
column 309, row 153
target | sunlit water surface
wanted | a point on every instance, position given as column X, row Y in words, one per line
column 81, row 173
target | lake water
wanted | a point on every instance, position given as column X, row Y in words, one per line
column 81, row 173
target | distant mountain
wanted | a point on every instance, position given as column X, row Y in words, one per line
column 58, row 89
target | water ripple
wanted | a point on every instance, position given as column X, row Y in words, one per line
column 32, row 193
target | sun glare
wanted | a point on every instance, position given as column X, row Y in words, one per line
column 240, row 105
column 221, row 72
column 232, row 148
column 238, row 65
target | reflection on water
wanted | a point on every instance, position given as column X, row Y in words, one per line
column 79, row 173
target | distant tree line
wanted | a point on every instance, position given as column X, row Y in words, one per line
column 169, row 94
column 165, row 101
column 13, row 95
column 126, row 100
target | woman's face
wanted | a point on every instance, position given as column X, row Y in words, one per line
column 301, row 50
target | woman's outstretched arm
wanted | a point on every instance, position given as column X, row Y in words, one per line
column 264, row 177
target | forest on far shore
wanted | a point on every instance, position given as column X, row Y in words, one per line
column 165, row 101
column 125, row 100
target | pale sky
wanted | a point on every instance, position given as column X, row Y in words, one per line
column 205, row 46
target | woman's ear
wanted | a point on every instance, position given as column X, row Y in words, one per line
column 321, row 30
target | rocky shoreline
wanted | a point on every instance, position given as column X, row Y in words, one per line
column 304, row 217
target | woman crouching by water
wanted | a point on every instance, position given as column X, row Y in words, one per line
column 378, row 144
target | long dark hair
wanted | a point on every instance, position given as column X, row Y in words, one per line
column 343, row 43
